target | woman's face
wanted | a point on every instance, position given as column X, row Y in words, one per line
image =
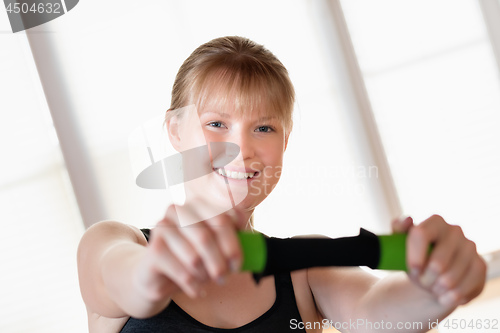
column 253, row 174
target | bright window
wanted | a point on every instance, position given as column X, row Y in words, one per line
column 434, row 86
column 41, row 225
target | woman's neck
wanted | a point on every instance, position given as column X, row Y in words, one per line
column 248, row 217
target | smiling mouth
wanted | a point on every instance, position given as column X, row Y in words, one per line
column 235, row 174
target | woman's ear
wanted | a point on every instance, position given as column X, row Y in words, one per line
column 286, row 140
column 173, row 130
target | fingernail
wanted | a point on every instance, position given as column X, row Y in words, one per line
column 447, row 299
column 415, row 274
column 438, row 289
column 234, row 264
column 428, row 279
column 204, row 277
column 221, row 280
column 202, row 274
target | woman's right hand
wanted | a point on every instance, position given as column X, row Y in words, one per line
column 187, row 257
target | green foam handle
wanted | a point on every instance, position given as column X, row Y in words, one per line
column 392, row 252
column 254, row 251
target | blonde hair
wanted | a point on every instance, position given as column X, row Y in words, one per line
column 238, row 70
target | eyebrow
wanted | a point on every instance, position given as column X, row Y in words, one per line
column 221, row 114
column 227, row 115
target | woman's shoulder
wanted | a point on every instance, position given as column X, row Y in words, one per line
column 102, row 236
column 96, row 244
column 110, row 231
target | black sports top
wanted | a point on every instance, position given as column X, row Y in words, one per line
column 277, row 319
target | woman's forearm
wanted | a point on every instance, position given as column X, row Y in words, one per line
column 396, row 303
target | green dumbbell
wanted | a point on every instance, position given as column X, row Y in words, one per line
column 264, row 255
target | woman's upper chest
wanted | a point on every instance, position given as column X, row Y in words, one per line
column 240, row 301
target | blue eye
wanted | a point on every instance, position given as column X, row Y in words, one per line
column 265, row 129
column 217, row 124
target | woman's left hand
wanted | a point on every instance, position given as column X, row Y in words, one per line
column 453, row 271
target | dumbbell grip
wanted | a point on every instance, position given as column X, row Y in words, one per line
column 264, row 255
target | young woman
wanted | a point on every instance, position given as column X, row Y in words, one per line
column 186, row 278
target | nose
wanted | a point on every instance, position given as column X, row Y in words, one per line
column 246, row 143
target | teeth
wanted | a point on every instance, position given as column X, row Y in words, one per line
column 235, row 174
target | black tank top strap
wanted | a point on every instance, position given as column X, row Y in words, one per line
column 146, row 232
